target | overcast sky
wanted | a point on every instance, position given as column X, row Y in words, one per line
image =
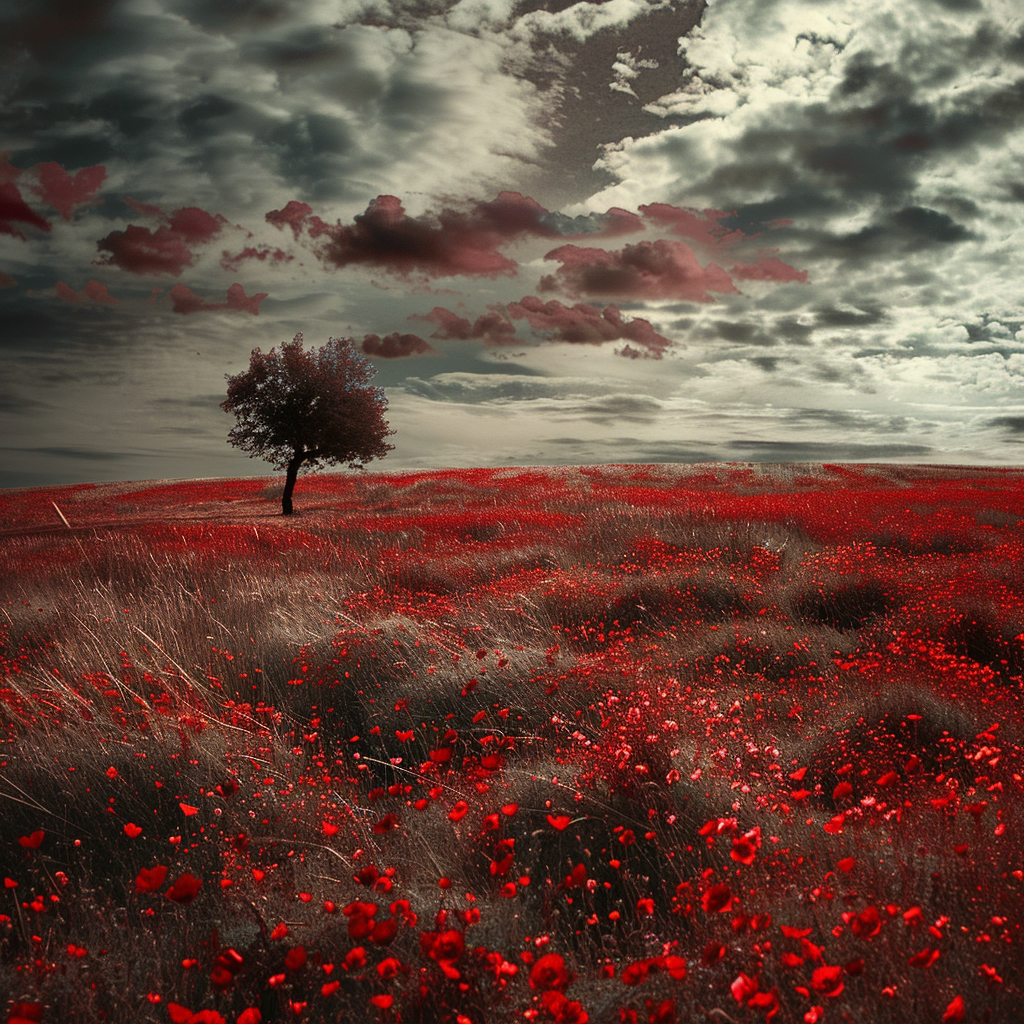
column 621, row 231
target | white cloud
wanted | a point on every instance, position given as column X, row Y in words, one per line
column 583, row 20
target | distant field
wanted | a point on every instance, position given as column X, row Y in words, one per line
column 622, row 744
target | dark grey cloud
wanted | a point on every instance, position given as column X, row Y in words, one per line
column 1014, row 424
column 759, row 450
column 620, row 408
column 861, row 422
column 476, row 388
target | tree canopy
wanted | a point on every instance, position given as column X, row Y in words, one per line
column 300, row 408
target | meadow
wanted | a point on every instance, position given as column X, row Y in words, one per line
column 619, row 744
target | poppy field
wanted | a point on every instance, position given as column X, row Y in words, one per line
column 620, row 744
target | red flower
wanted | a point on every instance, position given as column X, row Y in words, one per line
column 743, row 850
column 559, row 821
column 33, row 841
column 633, row 974
column 184, row 889
column 717, row 899
column 549, row 973
column 458, row 812
column 663, row 1012
column 386, row 824
column 150, row 879
column 828, row 981
column 924, row 959
column 743, row 988
column 25, row 1013
column 955, row 1010
column 867, row 923
column 446, row 947
column 296, row 958
column 384, row 931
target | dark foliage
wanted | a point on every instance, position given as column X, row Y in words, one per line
column 297, row 408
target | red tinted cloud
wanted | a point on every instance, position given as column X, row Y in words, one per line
column 586, row 324
column 94, row 292
column 58, row 189
column 186, row 301
column 702, row 226
column 451, row 242
column 768, row 269
column 145, row 209
column 394, row 346
column 619, row 222
column 165, row 250
column 142, row 251
column 8, row 172
column 263, row 253
column 54, row 20
column 295, row 215
column 196, row 226
column 14, row 210
column 492, row 326
column 662, row 269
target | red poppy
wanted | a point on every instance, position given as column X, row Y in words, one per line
column 250, row 1016
column 867, row 923
column 717, row 899
column 386, row 824
column 549, row 972
column 635, row 973
column 955, row 1011
column 295, row 959
column 382, row 1002
column 559, row 821
column 150, row 879
column 388, row 967
column 924, row 959
column 33, row 841
column 366, row 875
column 131, row 830
column 458, row 812
column 743, row 988
column 25, row 1013
column 828, row 981
column 184, row 889
column 663, row 1012
column 384, row 931
column 713, row 952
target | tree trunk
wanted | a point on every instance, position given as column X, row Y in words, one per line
column 289, row 483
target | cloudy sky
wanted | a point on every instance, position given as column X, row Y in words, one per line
column 619, row 231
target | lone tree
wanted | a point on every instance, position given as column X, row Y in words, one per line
column 297, row 407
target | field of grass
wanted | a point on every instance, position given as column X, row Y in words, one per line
column 622, row 744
